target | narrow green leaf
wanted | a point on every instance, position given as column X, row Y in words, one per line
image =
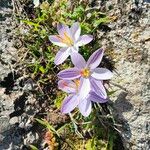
column 41, row 68
column 30, row 23
column 101, row 20
column 47, row 125
column 33, row 147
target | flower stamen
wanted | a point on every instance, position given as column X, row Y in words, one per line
column 66, row 39
column 85, row 73
column 77, row 83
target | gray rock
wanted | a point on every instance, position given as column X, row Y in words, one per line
column 14, row 120
column 11, row 138
column 132, row 56
column 4, row 123
column 31, row 138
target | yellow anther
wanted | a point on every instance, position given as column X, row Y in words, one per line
column 85, row 73
column 65, row 39
column 77, row 82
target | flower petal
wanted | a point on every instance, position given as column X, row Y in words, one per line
column 96, row 98
column 98, row 87
column 55, row 40
column 69, row 74
column 74, row 49
column 62, row 55
column 95, row 58
column 78, row 60
column 75, row 31
column 102, row 74
column 69, row 104
column 84, row 39
column 85, row 107
column 62, row 28
column 84, row 88
column 67, row 86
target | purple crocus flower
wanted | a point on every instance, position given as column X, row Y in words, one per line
column 74, row 99
column 70, row 41
column 91, row 77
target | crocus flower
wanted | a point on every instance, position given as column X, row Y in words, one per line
column 69, row 39
column 74, row 99
column 91, row 77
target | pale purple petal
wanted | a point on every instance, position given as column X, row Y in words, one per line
column 69, row 104
column 95, row 58
column 102, row 74
column 74, row 49
column 69, row 74
column 78, row 60
column 96, row 98
column 75, row 31
column 84, row 39
column 85, row 107
column 84, row 88
column 62, row 28
column 62, row 55
column 55, row 40
column 98, row 87
column 67, row 86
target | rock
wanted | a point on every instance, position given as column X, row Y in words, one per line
column 147, row 1
column 10, row 134
column 130, row 42
column 11, row 138
column 31, row 138
column 14, row 120
column 30, row 111
column 4, row 123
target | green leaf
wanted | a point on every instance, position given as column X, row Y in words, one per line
column 41, row 68
column 90, row 145
column 31, row 23
column 86, row 27
column 47, row 125
column 111, row 92
column 77, row 13
column 33, row 147
column 57, row 103
column 59, row 99
column 110, row 141
column 101, row 20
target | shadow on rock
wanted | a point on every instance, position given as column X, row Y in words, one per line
column 19, row 105
column 122, row 105
column 11, row 137
column 3, row 17
column 9, row 82
column 5, row 4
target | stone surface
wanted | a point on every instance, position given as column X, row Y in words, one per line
column 129, row 38
column 14, row 123
column 31, row 138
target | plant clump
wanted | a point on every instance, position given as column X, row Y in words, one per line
column 73, row 28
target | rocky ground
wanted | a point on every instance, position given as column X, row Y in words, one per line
column 130, row 39
column 128, row 36
column 15, row 128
